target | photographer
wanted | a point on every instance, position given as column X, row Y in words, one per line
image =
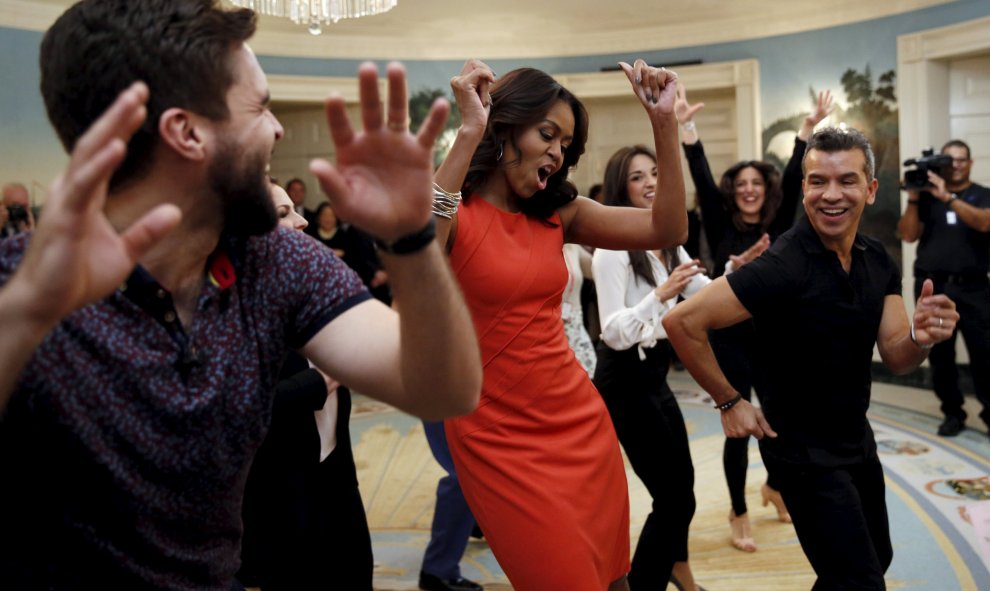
column 17, row 216
column 951, row 217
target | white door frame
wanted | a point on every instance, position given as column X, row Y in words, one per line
column 923, row 95
column 923, row 60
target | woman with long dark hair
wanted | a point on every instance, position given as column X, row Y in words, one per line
column 636, row 288
column 304, row 521
column 539, row 461
column 751, row 205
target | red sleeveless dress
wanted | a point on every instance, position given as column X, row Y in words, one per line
column 538, row 461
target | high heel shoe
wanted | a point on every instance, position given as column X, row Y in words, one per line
column 742, row 538
column 677, row 584
column 772, row 496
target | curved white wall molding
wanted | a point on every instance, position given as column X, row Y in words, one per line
column 440, row 29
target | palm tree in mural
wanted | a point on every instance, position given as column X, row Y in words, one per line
column 873, row 109
column 419, row 106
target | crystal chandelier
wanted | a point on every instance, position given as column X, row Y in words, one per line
column 315, row 13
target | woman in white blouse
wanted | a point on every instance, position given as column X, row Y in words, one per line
column 635, row 290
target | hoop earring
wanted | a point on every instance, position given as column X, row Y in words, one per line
column 498, row 157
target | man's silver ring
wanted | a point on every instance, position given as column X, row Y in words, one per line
column 940, row 322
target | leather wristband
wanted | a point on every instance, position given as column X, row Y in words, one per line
column 410, row 243
column 729, row 403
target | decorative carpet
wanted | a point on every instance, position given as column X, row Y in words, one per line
column 933, row 483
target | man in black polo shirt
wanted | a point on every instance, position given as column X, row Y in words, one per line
column 952, row 220
column 820, row 298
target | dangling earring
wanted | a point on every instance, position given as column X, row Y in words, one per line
column 498, row 157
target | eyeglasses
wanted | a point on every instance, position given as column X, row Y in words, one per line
column 960, row 160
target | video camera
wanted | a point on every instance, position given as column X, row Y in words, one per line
column 18, row 214
column 917, row 179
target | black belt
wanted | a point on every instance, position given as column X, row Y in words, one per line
column 972, row 278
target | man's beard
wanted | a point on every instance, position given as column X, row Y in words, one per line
column 242, row 186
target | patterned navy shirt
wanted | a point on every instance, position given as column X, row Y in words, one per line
column 126, row 445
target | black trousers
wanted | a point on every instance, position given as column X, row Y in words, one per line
column 840, row 517
column 735, row 349
column 973, row 304
column 651, row 429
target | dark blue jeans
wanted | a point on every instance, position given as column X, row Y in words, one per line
column 452, row 518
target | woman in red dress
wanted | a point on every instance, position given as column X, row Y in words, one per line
column 538, row 460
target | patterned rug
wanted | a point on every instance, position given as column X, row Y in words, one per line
column 936, row 488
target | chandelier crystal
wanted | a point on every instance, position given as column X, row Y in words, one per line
column 315, row 13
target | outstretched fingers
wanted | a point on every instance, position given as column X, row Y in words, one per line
column 433, row 126
column 824, row 106
column 341, row 131
column 825, row 100
column 398, row 104
column 371, row 105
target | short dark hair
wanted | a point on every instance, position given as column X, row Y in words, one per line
column 833, row 139
column 291, row 182
column 180, row 48
column 520, row 99
column 958, row 144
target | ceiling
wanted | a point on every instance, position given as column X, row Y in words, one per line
column 492, row 29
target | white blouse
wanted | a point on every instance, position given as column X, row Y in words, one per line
column 628, row 306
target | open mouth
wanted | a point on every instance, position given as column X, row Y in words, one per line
column 545, row 173
column 833, row 212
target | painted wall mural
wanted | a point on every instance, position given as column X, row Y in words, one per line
column 870, row 105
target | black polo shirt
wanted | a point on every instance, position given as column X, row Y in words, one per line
column 815, row 330
column 947, row 244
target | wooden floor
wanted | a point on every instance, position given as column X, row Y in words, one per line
column 398, row 479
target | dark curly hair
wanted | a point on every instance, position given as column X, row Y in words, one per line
column 180, row 48
column 520, row 99
column 773, row 194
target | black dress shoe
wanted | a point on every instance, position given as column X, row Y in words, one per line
column 951, row 427
column 433, row 583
